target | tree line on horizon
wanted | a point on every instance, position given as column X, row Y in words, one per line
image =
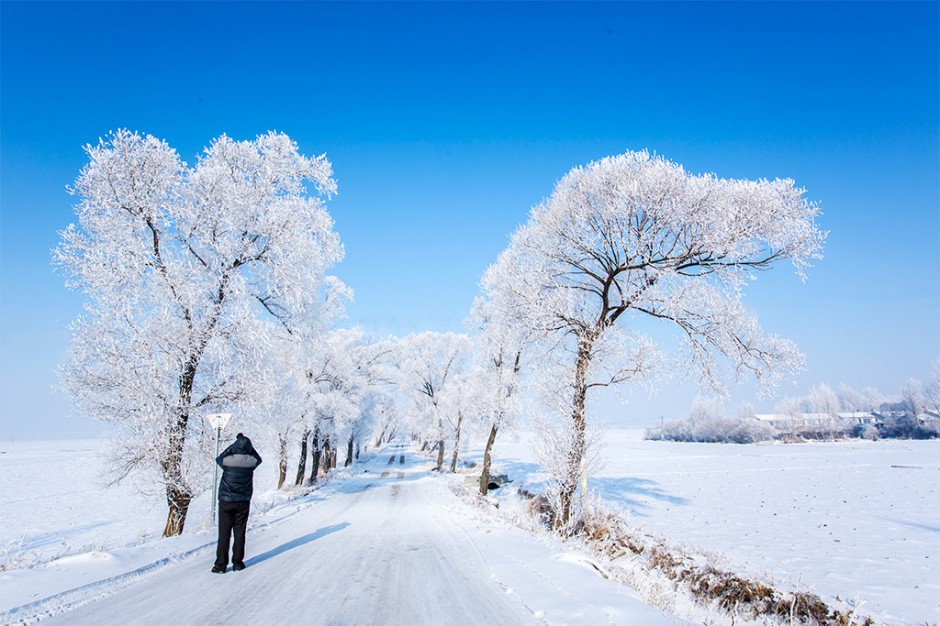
column 823, row 414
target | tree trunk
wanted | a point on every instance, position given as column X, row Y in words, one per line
column 453, row 460
column 282, row 460
column 302, row 464
column 327, row 462
column 440, row 455
column 485, row 475
column 178, row 495
column 357, row 450
column 315, row 457
column 349, row 452
column 178, row 502
column 575, row 454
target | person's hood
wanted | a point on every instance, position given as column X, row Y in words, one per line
column 242, row 445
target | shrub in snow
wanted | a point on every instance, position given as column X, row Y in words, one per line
column 716, row 430
column 752, row 431
column 694, row 574
column 907, row 427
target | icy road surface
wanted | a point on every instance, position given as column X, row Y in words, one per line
column 390, row 544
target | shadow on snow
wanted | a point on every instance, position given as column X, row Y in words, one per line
column 296, row 543
column 918, row 526
column 630, row 493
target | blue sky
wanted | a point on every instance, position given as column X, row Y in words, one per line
column 446, row 122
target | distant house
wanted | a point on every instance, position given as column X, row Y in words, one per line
column 928, row 418
column 793, row 423
column 781, row 421
column 858, row 418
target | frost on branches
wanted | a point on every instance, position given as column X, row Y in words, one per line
column 429, row 373
column 337, row 382
column 189, row 272
column 500, row 344
column 635, row 236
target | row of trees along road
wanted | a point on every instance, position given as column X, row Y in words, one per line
column 208, row 290
column 192, row 274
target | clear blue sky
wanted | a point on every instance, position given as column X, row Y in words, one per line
column 446, row 122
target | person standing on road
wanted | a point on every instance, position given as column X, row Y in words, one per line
column 238, row 463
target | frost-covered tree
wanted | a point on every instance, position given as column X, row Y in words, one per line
column 499, row 343
column 285, row 413
column 823, row 404
column 792, row 410
column 873, row 398
column 274, row 414
column 932, row 388
column 339, row 376
column 850, row 399
column 706, row 409
column 386, row 419
column 429, row 364
column 188, row 271
column 635, row 236
column 367, row 381
column 746, row 411
column 376, row 408
column 912, row 396
column 460, row 405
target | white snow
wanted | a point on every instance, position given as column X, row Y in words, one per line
column 378, row 544
column 856, row 520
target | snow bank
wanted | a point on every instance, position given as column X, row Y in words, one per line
column 856, row 521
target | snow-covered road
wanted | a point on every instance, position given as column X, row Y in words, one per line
column 390, row 544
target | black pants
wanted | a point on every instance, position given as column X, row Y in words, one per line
column 233, row 518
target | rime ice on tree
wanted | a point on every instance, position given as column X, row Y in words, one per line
column 189, row 273
column 634, row 236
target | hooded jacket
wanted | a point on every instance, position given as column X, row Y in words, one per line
column 238, row 463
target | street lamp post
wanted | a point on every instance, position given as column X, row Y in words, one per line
column 218, row 422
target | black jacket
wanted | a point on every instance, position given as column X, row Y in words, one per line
column 238, row 463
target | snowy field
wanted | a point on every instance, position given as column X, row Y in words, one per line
column 380, row 543
column 859, row 520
